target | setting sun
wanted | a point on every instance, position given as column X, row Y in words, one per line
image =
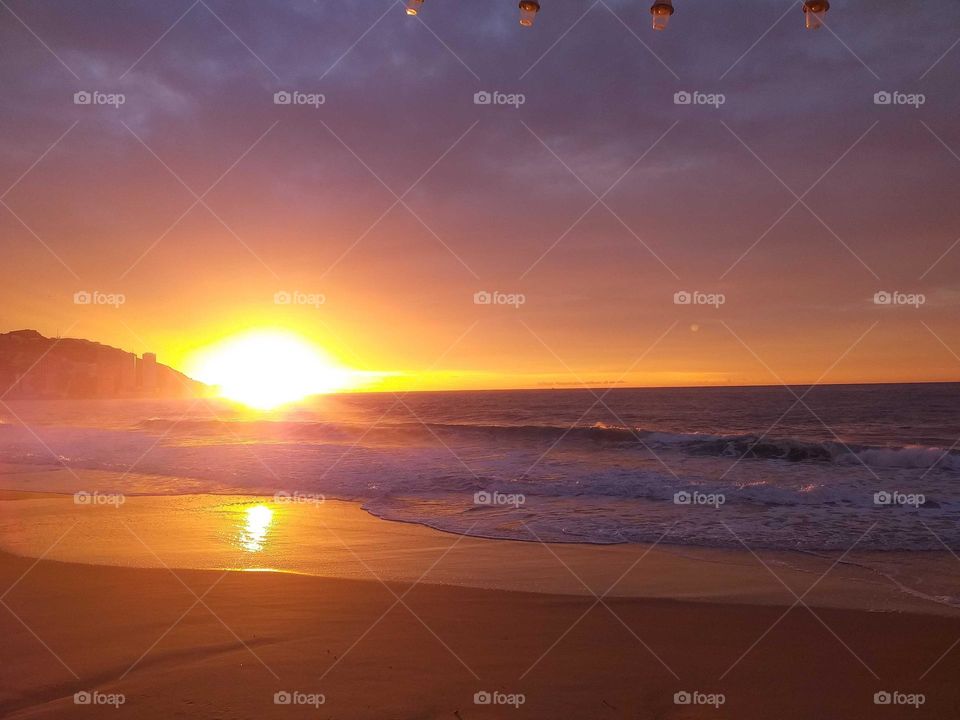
column 268, row 368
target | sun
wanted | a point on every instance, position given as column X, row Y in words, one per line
column 268, row 368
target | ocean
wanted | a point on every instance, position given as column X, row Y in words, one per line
column 819, row 468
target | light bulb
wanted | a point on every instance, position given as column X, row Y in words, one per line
column 813, row 11
column 528, row 12
column 413, row 6
column 661, row 11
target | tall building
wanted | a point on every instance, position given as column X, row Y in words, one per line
column 148, row 373
column 108, row 372
column 128, row 374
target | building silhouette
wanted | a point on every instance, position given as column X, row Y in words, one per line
column 35, row 367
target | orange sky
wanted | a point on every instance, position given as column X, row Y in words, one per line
column 398, row 198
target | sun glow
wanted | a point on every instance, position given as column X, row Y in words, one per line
column 253, row 534
column 268, row 368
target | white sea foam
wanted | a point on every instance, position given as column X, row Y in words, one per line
column 596, row 481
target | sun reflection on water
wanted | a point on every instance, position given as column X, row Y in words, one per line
column 253, row 534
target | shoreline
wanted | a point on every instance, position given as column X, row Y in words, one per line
column 209, row 605
column 338, row 539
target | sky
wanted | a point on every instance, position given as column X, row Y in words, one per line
column 585, row 200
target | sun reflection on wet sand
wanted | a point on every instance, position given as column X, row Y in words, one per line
column 253, row 534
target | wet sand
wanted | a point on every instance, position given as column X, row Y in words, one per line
column 402, row 621
column 340, row 540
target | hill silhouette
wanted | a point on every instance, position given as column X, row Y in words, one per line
column 34, row 367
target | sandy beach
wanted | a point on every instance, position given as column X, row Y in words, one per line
column 435, row 360
column 391, row 630
column 144, row 634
